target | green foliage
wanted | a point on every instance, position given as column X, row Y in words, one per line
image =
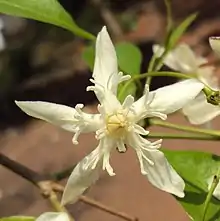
column 18, row 218
column 88, row 56
column 49, row 11
column 196, row 168
column 129, row 58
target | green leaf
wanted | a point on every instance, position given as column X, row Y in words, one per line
column 129, row 58
column 49, row 11
column 179, row 30
column 18, row 218
column 124, row 90
column 170, row 42
column 88, row 56
column 196, row 168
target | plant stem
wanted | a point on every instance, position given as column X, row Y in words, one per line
column 48, row 187
column 215, row 182
column 185, row 128
column 57, row 206
column 107, row 209
column 182, row 136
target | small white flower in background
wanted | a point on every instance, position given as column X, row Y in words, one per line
column 216, row 192
column 116, row 125
column 53, row 216
column 184, row 60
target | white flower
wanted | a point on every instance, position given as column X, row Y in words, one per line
column 116, row 125
column 216, row 192
column 184, row 60
column 53, row 216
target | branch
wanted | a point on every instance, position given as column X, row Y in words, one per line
column 213, row 133
column 41, row 181
column 182, row 136
column 109, row 19
column 21, row 170
column 107, row 209
column 48, row 187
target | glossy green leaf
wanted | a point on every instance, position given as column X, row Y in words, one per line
column 196, row 168
column 49, row 11
column 18, row 218
column 129, row 58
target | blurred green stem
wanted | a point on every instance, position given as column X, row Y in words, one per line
column 215, row 182
column 184, row 128
column 57, row 206
column 182, row 136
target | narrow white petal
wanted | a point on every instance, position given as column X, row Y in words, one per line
column 216, row 193
column 163, row 176
column 215, row 44
column 53, row 216
column 199, row 111
column 181, row 58
column 66, row 117
column 82, row 177
column 110, row 103
column 207, row 76
column 105, row 71
column 171, row 98
column 88, row 170
column 155, row 166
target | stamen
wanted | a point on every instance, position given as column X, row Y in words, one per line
column 121, row 146
column 140, row 130
column 106, row 165
column 141, row 163
column 146, row 158
column 76, row 135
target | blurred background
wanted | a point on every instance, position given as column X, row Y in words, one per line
column 42, row 62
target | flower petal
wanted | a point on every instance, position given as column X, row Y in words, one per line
column 53, row 216
column 141, row 108
column 181, row 58
column 155, row 166
column 215, row 44
column 87, row 171
column 206, row 75
column 105, row 71
column 163, row 176
column 216, row 192
column 199, row 111
column 66, row 117
column 171, row 98
column 81, row 178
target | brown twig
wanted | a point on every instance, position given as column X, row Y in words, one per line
column 109, row 19
column 21, row 170
column 107, row 209
column 48, row 186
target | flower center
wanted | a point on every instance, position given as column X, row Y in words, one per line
column 117, row 124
